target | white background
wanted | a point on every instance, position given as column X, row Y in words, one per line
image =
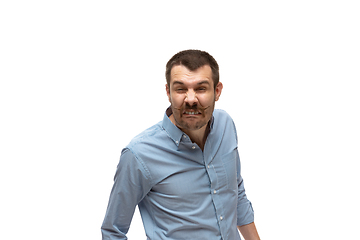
column 79, row 79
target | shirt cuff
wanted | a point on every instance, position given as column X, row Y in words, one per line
column 245, row 214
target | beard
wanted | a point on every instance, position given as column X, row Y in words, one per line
column 199, row 118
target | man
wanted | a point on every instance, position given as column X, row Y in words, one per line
column 184, row 172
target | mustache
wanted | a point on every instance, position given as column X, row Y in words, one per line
column 194, row 107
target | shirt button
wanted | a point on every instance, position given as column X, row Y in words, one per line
column 221, row 218
column 176, row 142
column 214, row 191
column 208, row 166
column 193, row 147
column 184, row 136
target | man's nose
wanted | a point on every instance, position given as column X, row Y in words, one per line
column 191, row 98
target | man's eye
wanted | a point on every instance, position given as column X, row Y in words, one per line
column 180, row 89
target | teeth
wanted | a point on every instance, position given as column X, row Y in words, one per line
column 192, row 113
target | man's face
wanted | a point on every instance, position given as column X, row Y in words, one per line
column 192, row 96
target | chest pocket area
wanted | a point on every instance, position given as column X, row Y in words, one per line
column 226, row 170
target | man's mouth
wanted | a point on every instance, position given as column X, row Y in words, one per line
column 192, row 112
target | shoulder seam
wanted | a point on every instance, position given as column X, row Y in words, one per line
column 142, row 164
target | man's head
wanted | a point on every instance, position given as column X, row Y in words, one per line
column 191, row 88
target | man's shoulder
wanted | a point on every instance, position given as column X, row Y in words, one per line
column 224, row 124
column 153, row 134
column 221, row 115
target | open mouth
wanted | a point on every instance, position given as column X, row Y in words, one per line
column 191, row 112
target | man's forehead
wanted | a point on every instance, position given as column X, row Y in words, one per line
column 180, row 73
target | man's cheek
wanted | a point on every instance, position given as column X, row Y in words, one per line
column 177, row 102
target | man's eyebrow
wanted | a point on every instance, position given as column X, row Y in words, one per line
column 199, row 83
column 204, row 82
column 178, row 82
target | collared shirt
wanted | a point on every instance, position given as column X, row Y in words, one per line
column 182, row 192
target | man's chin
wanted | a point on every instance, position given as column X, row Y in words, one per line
column 190, row 125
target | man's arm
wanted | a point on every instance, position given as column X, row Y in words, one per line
column 249, row 232
column 130, row 186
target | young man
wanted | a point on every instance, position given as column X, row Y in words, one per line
column 184, row 172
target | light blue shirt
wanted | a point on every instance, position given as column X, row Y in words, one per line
column 182, row 192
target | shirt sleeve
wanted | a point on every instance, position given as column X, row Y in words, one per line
column 131, row 184
column 245, row 212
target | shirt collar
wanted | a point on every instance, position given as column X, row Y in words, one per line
column 173, row 131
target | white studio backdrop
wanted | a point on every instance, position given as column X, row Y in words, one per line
column 79, row 79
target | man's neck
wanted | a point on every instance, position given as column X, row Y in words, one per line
column 197, row 136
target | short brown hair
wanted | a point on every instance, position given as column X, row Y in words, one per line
column 192, row 60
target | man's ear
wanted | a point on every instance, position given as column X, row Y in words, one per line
column 218, row 90
column 168, row 91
